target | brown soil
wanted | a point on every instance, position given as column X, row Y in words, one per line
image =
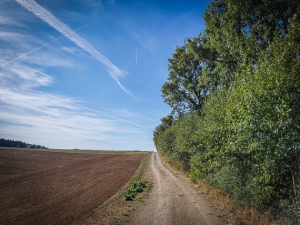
column 118, row 211
column 44, row 187
column 173, row 200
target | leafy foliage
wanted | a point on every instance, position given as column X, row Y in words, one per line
column 238, row 30
column 188, row 84
column 137, row 186
column 243, row 133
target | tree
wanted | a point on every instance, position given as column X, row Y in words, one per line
column 189, row 83
column 20, row 144
column 166, row 122
column 236, row 96
column 239, row 29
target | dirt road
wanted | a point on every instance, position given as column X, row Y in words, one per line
column 173, row 201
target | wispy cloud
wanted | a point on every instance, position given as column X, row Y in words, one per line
column 110, row 115
column 38, row 80
column 49, row 18
column 49, row 117
column 56, row 120
column 22, row 42
column 8, row 21
column 13, row 37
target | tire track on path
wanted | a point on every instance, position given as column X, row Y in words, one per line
column 172, row 201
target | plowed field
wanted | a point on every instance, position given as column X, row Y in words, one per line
column 44, row 187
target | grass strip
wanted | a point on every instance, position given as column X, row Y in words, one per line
column 135, row 178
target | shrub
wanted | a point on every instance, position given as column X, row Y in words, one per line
column 137, row 186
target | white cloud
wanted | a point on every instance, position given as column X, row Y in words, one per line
column 46, row 118
column 71, row 50
column 37, row 115
column 25, row 43
column 12, row 37
column 47, row 59
column 12, row 60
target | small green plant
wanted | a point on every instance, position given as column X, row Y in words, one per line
column 137, row 186
column 129, row 196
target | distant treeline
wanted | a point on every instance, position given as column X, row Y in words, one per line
column 20, row 144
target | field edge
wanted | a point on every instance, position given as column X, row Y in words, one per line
column 116, row 210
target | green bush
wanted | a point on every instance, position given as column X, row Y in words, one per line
column 137, row 186
column 245, row 137
column 129, row 196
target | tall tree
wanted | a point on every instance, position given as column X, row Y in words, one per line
column 239, row 29
column 189, row 83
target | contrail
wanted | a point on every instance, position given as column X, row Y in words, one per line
column 121, row 86
column 46, row 44
column 136, row 62
column 30, row 51
column 46, row 16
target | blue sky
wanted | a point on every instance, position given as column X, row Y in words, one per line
column 87, row 74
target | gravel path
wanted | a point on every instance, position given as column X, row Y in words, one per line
column 173, row 201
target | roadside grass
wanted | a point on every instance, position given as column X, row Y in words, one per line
column 137, row 184
column 134, row 189
column 234, row 213
column 136, row 152
column 136, row 177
